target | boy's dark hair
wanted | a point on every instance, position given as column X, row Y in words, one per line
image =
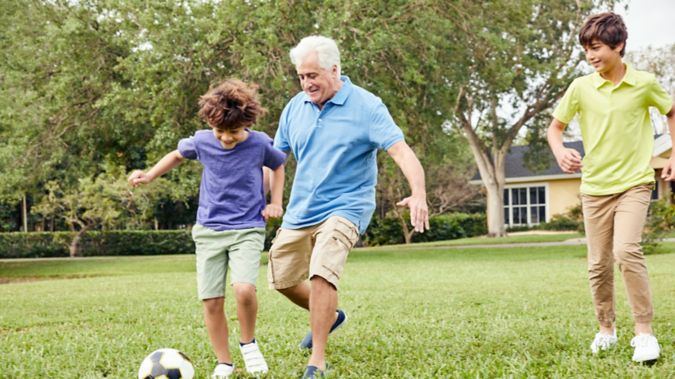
column 607, row 28
column 230, row 105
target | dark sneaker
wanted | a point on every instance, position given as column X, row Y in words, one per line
column 313, row 372
column 339, row 321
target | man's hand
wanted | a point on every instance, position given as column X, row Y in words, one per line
column 272, row 211
column 138, row 177
column 668, row 172
column 419, row 213
column 569, row 160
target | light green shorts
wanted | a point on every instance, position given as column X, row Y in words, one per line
column 216, row 250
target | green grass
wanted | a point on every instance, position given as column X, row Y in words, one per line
column 414, row 313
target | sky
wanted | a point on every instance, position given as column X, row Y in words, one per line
column 649, row 22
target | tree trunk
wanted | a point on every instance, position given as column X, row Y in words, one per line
column 24, row 213
column 407, row 232
column 76, row 240
column 495, row 210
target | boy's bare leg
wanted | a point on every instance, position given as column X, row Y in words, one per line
column 216, row 326
column 298, row 294
column 323, row 304
column 643, row 328
column 247, row 310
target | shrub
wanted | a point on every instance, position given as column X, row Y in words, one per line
column 661, row 220
column 96, row 243
column 386, row 231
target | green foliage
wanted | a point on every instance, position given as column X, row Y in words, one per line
column 660, row 222
column 387, row 231
column 96, row 243
column 572, row 220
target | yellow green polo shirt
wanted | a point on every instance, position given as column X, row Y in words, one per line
column 615, row 128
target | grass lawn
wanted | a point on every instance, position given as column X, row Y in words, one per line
column 413, row 313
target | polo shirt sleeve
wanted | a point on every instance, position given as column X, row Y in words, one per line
column 273, row 157
column 569, row 104
column 281, row 137
column 383, row 130
column 658, row 97
column 188, row 148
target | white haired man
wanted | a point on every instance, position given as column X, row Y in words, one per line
column 334, row 129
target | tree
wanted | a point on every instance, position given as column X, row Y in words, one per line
column 659, row 62
column 101, row 202
column 518, row 59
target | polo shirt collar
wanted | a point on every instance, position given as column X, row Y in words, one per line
column 342, row 94
column 628, row 78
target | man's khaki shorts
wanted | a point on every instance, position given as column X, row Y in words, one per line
column 318, row 250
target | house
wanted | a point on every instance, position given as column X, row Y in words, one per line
column 533, row 197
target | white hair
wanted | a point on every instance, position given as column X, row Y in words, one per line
column 326, row 49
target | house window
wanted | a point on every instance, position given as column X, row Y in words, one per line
column 524, row 205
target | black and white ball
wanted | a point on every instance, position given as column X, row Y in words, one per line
column 166, row 364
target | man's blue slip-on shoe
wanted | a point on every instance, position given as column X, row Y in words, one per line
column 313, row 372
column 339, row 321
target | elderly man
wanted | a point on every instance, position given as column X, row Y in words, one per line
column 334, row 129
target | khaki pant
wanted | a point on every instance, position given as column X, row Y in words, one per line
column 614, row 230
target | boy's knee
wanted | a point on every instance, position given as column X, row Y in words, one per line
column 627, row 252
column 244, row 293
column 214, row 305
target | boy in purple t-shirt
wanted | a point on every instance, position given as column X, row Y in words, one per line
column 230, row 228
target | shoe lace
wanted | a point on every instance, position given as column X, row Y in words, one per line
column 253, row 358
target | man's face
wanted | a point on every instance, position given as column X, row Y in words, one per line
column 231, row 137
column 602, row 57
column 318, row 83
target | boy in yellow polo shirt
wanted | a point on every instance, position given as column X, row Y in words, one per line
column 617, row 179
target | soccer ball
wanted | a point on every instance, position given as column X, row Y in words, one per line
column 166, row 364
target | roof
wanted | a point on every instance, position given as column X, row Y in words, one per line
column 516, row 171
column 515, row 168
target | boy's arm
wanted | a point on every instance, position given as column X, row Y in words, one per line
column 164, row 165
column 568, row 159
column 668, row 172
column 276, row 183
column 406, row 159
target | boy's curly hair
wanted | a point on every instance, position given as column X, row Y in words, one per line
column 230, row 105
column 606, row 27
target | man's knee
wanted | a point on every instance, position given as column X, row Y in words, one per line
column 320, row 283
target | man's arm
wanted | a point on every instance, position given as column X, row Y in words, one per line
column 569, row 160
column 406, row 159
column 668, row 172
column 164, row 165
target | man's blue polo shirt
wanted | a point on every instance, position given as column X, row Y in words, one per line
column 335, row 149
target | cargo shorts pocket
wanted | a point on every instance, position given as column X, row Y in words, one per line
column 345, row 232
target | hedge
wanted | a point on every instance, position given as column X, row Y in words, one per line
column 96, row 243
column 387, row 231
column 152, row 242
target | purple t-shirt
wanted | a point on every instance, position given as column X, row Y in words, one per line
column 231, row 192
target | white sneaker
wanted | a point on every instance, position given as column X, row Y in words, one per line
column 646, row 348
column 253, row 358
column 222, row 371
column 603, row 342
